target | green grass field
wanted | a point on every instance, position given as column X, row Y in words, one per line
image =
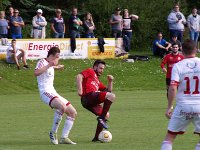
column 137, row 117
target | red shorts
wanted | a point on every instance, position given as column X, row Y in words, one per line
column 92, row 102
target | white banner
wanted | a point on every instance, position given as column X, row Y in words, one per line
column 38, row 48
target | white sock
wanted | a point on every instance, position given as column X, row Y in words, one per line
column 166, row 145
column 57, row 120
column 67, row 127
column 197, row 146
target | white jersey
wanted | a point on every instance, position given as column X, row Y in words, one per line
column 45, row 80
column 187, row 74
column 9, row 53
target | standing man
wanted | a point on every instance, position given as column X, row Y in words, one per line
column 16, row 24
column 58, row 25
column 93, row 93
column 44, row 72
column 170, row 60
column 74, row 24
column 116, row 23
column 185, row 87
column 176, row 21
column 39, row 23
column 193, row 22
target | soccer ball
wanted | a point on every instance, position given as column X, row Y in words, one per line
column 105, row 136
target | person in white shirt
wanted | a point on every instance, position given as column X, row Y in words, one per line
column 39, row 25
column 15, row 54
column 185, row 87
column 44, row 72
column 193, row 22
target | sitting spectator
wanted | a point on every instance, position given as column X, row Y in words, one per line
column 74, row 24
column 16, row 24
column 3, row 25
column 58, row 25
column 15, row 54
column 116, row 23
column 160, row 46
column 170, row 60
column 174, row 40
column 193, row 22
column 39, row 23
column 89, row 26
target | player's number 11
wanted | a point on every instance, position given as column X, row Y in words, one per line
column 196, row 80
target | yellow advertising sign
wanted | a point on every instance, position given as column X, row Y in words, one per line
column 94, row 52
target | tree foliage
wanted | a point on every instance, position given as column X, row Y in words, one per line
column 152, row 14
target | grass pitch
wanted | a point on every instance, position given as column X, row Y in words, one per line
column 137, row 123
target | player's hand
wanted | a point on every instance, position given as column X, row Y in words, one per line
column 168, row 113
column 164, row 70
column 80, row 92
column 110, row 78
column 60, row 67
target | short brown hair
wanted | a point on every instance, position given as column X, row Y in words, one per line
column 189, row 47
column 98, row 61
column 53, row 51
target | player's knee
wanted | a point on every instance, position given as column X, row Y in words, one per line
column 111, row 97
column 71, row 112
column 61, row 109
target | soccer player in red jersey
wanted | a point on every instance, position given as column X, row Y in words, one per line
column 170, row 60
column 93, row 93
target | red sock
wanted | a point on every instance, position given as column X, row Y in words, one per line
column 98, row 130
column 106, row 107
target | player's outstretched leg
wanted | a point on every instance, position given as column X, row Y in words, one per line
column 71, row 112
column 56, row 123
column 109, row 99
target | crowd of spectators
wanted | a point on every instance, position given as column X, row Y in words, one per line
column 177, row 23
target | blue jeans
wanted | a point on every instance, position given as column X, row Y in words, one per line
column 16, row 36
column 89, row 35
column 74, row 34
column 178, row 33
column 127, row 33
column 58, row 35
column 194, row 36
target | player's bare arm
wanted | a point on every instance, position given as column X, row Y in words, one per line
column 171, row 95
column 79, row 80
column 110, row 83
column 59, row 67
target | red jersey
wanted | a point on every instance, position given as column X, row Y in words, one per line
column 91, row 82
column 170, row 60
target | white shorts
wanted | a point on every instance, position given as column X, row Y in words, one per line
column 48, row 96
column 10, row 59
column 182, row 116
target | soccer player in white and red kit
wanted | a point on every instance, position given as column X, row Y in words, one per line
column 45, row 78
column 170, row 60
column 93, row 93
column 185, row 87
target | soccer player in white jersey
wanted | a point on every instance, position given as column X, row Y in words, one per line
column 185, row 86
column 45, row 77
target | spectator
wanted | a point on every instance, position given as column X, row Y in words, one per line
column 176, row 21
column 16, row 24
column 193, row 22
column 15, row 54
column 74, row 24
column 174, row 40
column 8, row 18
column 160, row 46
column 39, row 23
column 170, row 60
column 58, row 25
column 88, row 26
column 116, row 23
column 127, row 23
column 3, row 25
